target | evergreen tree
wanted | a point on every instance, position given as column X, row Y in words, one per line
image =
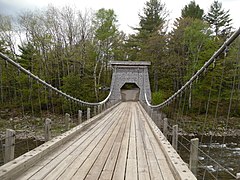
column 149, row 42
column 154, row 15
column 28, row 56
column 192, row 10
column 219, row 19
column 153, row 19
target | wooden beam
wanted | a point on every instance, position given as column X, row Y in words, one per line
column 48, row 123
column 175, row 137
column 9, row 145
column 193, row 163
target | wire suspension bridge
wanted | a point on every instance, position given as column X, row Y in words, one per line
column 122, row 140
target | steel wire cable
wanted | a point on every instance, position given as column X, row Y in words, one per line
column 198, row 73
column 9, row 60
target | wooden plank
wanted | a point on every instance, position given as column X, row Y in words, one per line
column 70, row 164
column 64, row 159
column 83, row 170
column 26, row 161
column 161, row 160
column 143, row 171
column 123, row 145
column 155, row 172
column 119, row 172
column 107, row 172
column 44, row 170
column 131, row 169
column 109, row 153
column 165, row 169
column 178, row 167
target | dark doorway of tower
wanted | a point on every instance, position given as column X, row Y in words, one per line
column 130, row 92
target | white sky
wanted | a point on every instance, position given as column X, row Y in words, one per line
column 126, row 10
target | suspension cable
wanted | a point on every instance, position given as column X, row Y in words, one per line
column 198, row 73
column 7, row 59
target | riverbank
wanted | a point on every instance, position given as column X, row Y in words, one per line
column 29, row 126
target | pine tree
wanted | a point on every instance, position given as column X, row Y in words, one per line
column 219, row 19
column 151, row 21
column 192, row 10
column 154, row 15
column 149, row 42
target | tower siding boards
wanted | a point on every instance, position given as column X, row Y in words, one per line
column 130, row 72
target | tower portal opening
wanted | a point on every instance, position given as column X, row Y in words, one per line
column 130, row 92
column 130, row 72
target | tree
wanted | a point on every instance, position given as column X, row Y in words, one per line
column 105, row 36
column 187, row 49
column 149, row 41
column 219, row 19
column 7, row 33
column 192, row 10
column 28, row 56
column 154, row 15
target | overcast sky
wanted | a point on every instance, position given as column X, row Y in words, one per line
column 126, row 10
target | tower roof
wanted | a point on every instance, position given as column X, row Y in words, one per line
column 130, row 63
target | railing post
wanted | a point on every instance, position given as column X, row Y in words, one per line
column 238, row 176
column 161, row 117
column 154, row 116
column 149, row 111
column 193, row 163
column 88, row 113
column 79, row 116
column 9, row 145
column 109, row 104
column 165, row 127
column 98, row 108
column 95, row 110
column 48, row 123
column 104, row 106
column 67, row 121
column 175, row 137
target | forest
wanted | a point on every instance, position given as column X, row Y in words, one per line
column 71, row 50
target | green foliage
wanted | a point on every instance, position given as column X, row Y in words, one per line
column 71, row 51
column 154, row 15
column 219, row 19
column 192, row 10
column 188, row 49
column 148, row 44
column 28, row 55
column 104, row 23
column 157, row 97
column 79, row 87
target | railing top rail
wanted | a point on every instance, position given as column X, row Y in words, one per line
column 198, row 73
column 6, row 58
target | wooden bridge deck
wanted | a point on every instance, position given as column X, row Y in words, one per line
column 122, row 145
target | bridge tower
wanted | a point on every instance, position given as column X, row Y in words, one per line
column 130, row 72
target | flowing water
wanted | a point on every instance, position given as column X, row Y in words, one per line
column 225, row 152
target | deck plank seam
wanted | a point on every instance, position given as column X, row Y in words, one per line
column 118, row 150
column 102, row 137
column 121, row 122
column 89, row 133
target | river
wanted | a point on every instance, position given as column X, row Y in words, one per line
column 226, row 154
